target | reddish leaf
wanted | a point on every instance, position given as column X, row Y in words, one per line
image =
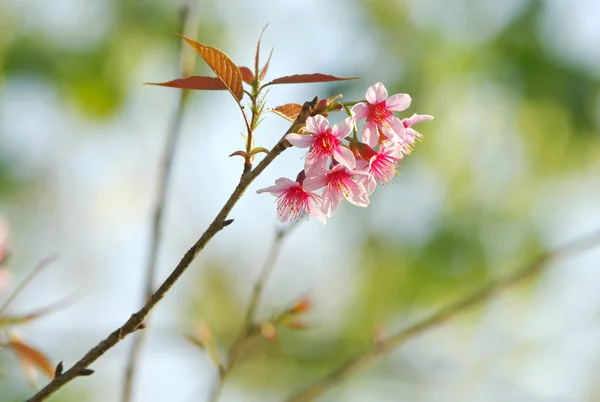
column 288, row 111
column 263, row 72
column 240, row 153
column 247, row 75
column 194, row 82
column 222, row 66
column 32, row 357
column 308, row 78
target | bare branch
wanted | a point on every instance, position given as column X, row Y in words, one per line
column 482, row 295
column 136, row 320
column 189, row 22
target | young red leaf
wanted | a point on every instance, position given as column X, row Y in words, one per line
column 288, row 111
column 308, row 78
column 222, row 66
column 263, row 72
column 247, row 75
column 194, row 82
column 32, row 356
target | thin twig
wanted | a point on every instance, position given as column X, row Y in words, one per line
column 482, row 295
column 136, row 321
column 40, row 267
column 189, row 23
column 238, row 347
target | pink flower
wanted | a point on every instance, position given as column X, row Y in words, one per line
column 380, row 165
column 325, row 142
column 378, row 113
column 295, row 197
column 411, row 133
column 340, row 182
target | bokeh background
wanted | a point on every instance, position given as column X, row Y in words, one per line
column 510, row 167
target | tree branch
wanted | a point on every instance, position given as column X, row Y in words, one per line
column 187, row 63
column 136, row 321
column 238, row 347
column 482, row 295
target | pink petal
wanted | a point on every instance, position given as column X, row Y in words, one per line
column 359, row 196
column 395, row 130
column 360, row 111
column 398, row 102
column 345, row 157
column 281, row 186
column 369, row 135
column 331, row 201
column 315, row 182
column 300, row 140
column 343, row 129
column 417, row 118
column 314, row 208
column 376, row 94
column 314, row 165
column 370, row 184
column 286, row 213
column 317, row 124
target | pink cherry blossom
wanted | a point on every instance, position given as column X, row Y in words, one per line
column 411, row 133
column 325, row 142
column 380, row 165
column 295, row 197
column 340, row 182
column 378, row 114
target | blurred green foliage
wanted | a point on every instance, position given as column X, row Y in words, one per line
column 554, row 102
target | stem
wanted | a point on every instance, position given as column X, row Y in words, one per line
column 187, row 63
column 136, row 321
column 238, row 348
column 482, row 295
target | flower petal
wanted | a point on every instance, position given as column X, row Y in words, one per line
column 317, row 124
column 315, row 182
column 331, row 201
column 395, row 130
column 281, row 186
column 314, row 208
column 416, row 118
column 314, row 164
column 360, row 111
column 300, row 140
column 345, row 157
column 343, row 129
column 358, row 196
column 376, row 94
column 369, row 135
column 398, row 102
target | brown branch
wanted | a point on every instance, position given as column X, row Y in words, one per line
column 187, row 63
column 482, row 295
column 249, row 329
column 136, row 321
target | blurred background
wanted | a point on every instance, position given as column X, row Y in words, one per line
column 509, row 168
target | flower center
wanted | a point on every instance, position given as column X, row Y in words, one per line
column 341, row 182
column 383, row 167
column 295, row 199
column 325, row 143
column 379, row 114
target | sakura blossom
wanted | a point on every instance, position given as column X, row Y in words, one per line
column 340, row 183
column 411, row 133
column 294, row 198
column 339, row 166
column 381, row 164
column 378, row 112
column 325, row 142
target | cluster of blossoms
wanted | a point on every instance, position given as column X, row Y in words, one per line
column 347, row 170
